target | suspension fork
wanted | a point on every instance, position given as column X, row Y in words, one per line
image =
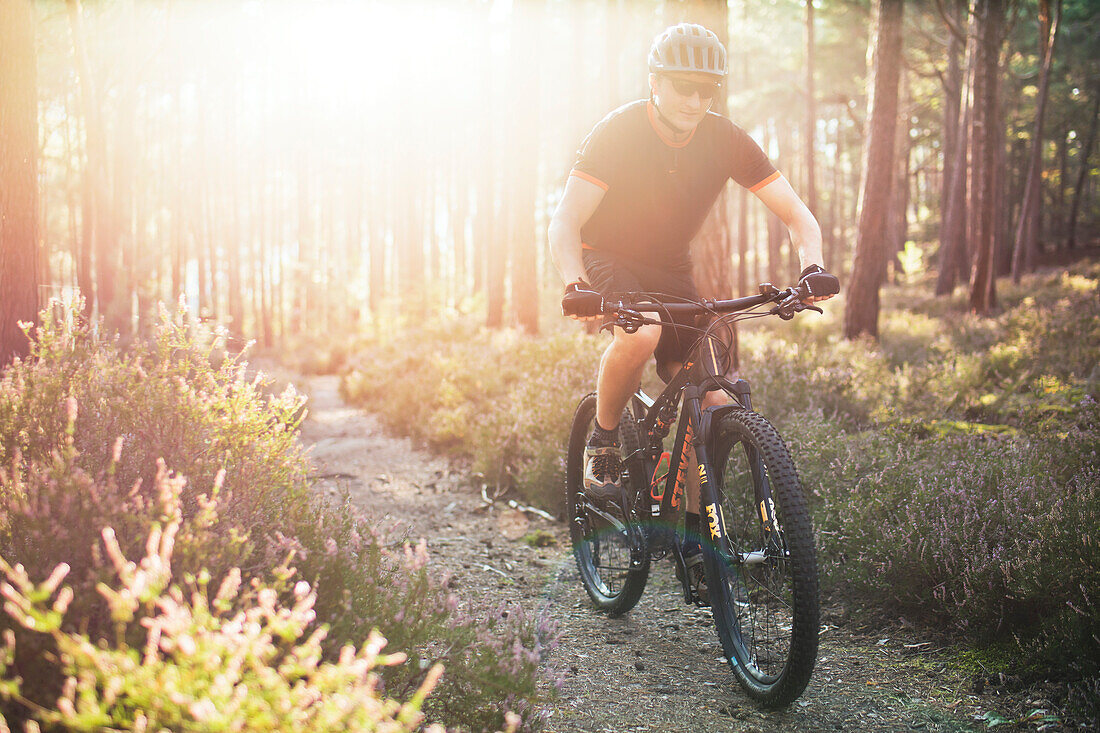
column 762, row 495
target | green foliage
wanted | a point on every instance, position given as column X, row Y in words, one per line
column 500, row 399
column 958, row 480
column 86, row 433
column 540, row 538
column 232, row 660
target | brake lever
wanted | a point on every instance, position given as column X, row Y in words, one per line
column 786, row 309
column 628, row 320
column 800, row 306
column 792, row 304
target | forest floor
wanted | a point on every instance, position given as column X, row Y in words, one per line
column 658, row 668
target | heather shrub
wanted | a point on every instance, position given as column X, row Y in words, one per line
column 953, row 468
column 501, row 400
column 988, row 537
column 233, row 659
column 180, row 398
column 66, row 475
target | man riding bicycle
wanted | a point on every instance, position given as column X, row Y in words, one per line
column 644, row 181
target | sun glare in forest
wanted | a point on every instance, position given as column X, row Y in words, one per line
column 336, row 64
column 308, row 153
column 382, row 76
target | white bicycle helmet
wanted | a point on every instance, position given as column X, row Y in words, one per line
column 688, row 47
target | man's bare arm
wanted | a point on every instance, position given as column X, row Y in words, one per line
column 781, row 199
column 805, row 231
column 577, row 205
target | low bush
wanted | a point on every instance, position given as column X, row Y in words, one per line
column 983, row 536
column 83, row 425
column 501, row 400
column 234, row 659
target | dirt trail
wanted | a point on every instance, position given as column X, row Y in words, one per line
column 657, row 669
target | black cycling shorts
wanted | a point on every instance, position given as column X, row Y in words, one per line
column 611, row 277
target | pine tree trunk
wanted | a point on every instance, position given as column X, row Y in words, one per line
column 987, row 177
column 494, row 245
column 861, row 313
column 525, row 164
column 1086, row 153
column 459, row 215
column 1061, row 214
column 954, row 164
column 97, row 203
column 897, row 225
column 19, row 247
column 1027, row 228
column 120, row 317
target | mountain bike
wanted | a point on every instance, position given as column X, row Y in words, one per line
column 758, row 544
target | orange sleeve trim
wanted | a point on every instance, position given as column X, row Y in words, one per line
column 590, row 179
column 765, row 182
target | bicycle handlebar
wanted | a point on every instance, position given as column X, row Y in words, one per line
column 789, row 301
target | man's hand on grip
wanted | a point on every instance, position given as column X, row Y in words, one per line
column 819, row 284
column 581, row 302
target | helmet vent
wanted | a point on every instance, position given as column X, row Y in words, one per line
column 688, row 47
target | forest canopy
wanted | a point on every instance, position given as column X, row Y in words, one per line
column 284, row 167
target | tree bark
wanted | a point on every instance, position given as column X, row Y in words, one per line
column 524, row 243
column 19, row 246
column 1086, row 152
column 1061, row 213
column 897, row 226
column 987, row 178
column 954, row 166
column 958, row 218
column 103, row 225
column 861, row 313
column 811, row 111
column 1027, row 228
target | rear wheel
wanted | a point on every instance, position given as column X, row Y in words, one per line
column 608, row 544
column 762, row 578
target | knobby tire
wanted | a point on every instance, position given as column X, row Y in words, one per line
column 766, row 611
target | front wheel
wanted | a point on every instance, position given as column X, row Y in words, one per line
column 762, row 574
column 608, row 544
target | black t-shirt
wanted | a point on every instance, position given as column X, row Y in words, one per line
column 658, row 192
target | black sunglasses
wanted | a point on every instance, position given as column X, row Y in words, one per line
column 706, row 89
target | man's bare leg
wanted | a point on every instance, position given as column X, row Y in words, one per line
column 621, row 372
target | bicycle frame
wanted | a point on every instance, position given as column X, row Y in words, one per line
column 691, row 384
